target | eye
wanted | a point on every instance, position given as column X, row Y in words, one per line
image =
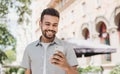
column 55, row 25
column 47, row 24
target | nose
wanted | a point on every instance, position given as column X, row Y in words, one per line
column 51, row 27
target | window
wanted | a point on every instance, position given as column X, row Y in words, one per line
column 119, row 29
column 84, row 9
column 98, row 3
column 87, row 34
column 104, row 37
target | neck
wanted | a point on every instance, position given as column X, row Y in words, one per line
column 46, row 40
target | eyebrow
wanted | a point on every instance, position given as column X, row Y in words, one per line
column 52, row 23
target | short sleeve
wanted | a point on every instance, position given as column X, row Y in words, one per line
column 71, row 56
column 26, row 59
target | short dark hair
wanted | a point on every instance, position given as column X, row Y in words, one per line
column 49, row 11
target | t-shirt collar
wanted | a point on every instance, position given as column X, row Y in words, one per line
column 56, row 41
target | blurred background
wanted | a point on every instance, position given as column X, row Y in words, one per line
column 97, row 21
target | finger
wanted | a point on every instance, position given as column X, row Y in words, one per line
column 55, row 61
column 57, row 57
column 60, row 54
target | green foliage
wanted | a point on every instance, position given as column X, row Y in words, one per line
column 13, row 70
column 3, row 56
column 21, row 71
column 6, row 39
column 116, row 70
column 21, row 10
column 93, row 69
column 24, row 9
column 16, row 70
column 3, row 7
column 11, row 55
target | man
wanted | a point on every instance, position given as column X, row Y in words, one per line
column 49, row 55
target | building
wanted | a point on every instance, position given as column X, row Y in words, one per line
column 97, row 20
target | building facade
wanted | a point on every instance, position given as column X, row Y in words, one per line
column 96, row 20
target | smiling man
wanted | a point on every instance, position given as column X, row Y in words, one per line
column 49, row 55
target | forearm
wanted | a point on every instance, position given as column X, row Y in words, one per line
column 28, row 71
column 71, row 70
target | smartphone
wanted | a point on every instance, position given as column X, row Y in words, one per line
column 59, row 48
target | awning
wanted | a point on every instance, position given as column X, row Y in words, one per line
column 89, row 48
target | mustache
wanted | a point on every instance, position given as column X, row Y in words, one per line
column 51, row 31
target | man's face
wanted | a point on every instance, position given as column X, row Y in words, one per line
column 49, row 26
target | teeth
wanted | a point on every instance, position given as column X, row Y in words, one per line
column 50, row 32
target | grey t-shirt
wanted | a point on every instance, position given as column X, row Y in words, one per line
column 45, row 45
column 35, row 54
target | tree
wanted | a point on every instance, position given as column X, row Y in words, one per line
column 6, row 39
column 21, row 7
column 116, row 69
column 3, row 56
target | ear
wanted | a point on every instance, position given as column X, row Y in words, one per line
column 40, row 23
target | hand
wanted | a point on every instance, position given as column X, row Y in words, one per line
column 60, row 60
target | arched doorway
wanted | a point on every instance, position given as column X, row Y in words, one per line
column 117, row 23
column 104, row 39
column 86, row 33
column 104, row 36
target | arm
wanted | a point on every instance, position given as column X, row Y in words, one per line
column 72, row 70
column 26, row 62
column 28, row 71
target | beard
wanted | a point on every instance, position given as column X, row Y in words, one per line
column 49, row 34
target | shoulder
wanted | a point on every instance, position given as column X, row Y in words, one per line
column 32, row 44
column 65, row 43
